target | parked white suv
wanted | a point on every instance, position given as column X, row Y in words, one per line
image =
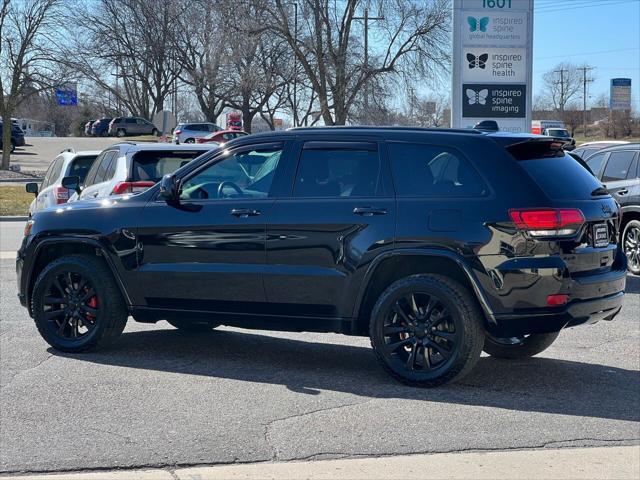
column 188, row 132
column 132, row 168
column 51, row 192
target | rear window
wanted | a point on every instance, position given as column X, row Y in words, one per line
column 80, row 166
column 619, row 166
column 152, row 166
column 561, row 177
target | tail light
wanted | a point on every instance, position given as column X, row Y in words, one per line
column 177, row 132
column 61, row 194
column 557, row 299
column 131, row 187
column 548, row 222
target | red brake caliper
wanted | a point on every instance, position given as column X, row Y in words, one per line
column 93, row 303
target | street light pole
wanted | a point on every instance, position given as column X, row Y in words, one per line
column 366, row 19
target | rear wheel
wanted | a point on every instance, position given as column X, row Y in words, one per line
column 154, row 132
column 191, row 326
column 189, row 140
column 631, row 245
column 120, row 132
column 426, row 331
column 77, row 305
column 518, row 347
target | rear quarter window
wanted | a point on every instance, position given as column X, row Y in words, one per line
column 561, row 177
column 153, row 165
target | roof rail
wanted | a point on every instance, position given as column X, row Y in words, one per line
column 382, row 127
column 70, row 150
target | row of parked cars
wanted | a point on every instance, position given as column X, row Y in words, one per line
column 119, row 127
column 436, row 243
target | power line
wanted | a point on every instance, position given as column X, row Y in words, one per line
column 585, row 69
column 565, row 7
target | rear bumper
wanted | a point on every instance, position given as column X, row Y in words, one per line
column 19, row 141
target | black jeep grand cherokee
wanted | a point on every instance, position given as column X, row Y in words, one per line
column 435, row 243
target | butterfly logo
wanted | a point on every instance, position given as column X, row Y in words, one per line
column 479, row 97
column 478, row 23
column 477, row 62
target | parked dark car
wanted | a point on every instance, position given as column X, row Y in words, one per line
column 436, row 244
column 100, row 127
column 87, row 127
column 17, row 137
column 123, row 126
column 617, row 168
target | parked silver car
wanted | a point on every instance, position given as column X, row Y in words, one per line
column 51, row 192
column 123, row 126
column 188, row 132
column 132, row 168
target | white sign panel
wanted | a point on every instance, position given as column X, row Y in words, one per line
column 492, row 60
column 486, row 65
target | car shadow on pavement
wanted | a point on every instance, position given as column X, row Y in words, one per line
column 536, row 384
column 633, row 284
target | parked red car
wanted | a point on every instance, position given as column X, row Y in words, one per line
column 222, row 136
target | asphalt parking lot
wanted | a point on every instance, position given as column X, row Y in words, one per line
column 164, row 398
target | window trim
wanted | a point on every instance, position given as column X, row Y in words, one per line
column 489, row 189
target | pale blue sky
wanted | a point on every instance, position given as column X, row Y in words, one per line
column 601, row 33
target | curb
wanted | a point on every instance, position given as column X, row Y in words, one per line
column 13, row 218
column 21, row 180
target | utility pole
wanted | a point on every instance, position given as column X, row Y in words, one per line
column 561, row 102
column 585, row 69
column 366, row 19
column 295, row 66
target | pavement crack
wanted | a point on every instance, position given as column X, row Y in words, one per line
column 126, row 438
column 27, row 370
column 267, row 426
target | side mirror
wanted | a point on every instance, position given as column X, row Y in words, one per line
column 72, row 183
column 32, row 187
column 169, row 189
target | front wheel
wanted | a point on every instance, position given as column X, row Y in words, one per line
column 77, row 305
column 154, row 132
column 120, row 133
column 519, row 347
column 631, row 245
column 426, row 330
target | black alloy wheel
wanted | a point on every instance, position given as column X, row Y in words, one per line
column 631, row 246
column 426, row 330
column 70, row 305
column 77, row 304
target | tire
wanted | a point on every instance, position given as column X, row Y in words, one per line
column 103, row 326
column 120, row 132
column 154, row 132
column 425, row 358
column 192, row 326
column 189, row 140
column 631, row 245
column 12, row 147
column 518, row 347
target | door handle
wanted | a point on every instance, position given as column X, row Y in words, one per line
column 244, row 212
column 624, row 191
column 369, row 211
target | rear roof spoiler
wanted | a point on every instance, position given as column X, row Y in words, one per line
column 525, row 147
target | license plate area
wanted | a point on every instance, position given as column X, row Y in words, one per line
column 600, row 235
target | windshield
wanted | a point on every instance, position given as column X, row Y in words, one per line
column 80, row 166
column 557, row 132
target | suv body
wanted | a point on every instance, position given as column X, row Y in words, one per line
column 51, row 192
column 585, row 150
column 133, row 167
column 123, row 126
column 619, row 170
column 189, row 132
column 17, row 136
column 100, row 127
column 412, row 236
column 88, row 126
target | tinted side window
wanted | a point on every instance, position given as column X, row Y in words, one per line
column 103, row 166
column 57, row 169
column 80, row 166
column 111, row 169
column 428, row 170
column 634, row 171
column 595, row 163
column 338, row 173
column 618, row 166
column 129, row 120
column 91, row 175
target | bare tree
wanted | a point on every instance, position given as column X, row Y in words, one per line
column 30, row 32
column 572, row 117
column 561, row 85
column 127, row 48
column 203, row 42
column 329, row 47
